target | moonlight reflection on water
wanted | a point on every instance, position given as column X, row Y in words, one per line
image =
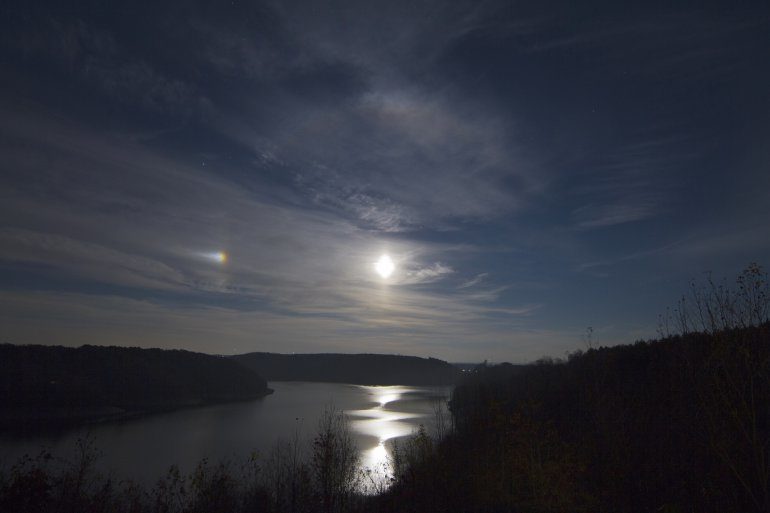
column 143, row 448
column 387, row 419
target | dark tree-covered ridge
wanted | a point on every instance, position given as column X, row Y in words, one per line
column 676, row 424
column 360, row 369
column 41, row 384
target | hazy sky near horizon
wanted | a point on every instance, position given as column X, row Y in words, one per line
column 532, row 169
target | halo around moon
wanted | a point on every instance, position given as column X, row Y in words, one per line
column 384, row 266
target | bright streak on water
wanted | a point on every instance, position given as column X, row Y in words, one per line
column 376, row 460
column 387, row 398
column 385, row 421
column 143, row 448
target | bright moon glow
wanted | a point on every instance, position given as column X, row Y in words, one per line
column 384, row 266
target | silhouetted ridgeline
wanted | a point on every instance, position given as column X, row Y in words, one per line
column 361, row 369
column 41, row 384
column 679, row 424
column 673, row 425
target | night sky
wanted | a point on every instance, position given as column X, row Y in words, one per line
column 223, row 176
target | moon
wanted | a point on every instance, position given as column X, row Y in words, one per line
column 384, row 266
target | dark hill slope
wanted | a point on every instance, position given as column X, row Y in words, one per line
column 679, row 424
column 361, row 369
column 62, row 384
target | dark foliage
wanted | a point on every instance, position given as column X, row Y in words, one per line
column 360, row 369
column 325, row 479
column 681, row 424
column 59, row 384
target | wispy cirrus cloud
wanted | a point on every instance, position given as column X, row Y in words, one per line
column 495, row 153
column 630, row 183
column 473, row 281
column 296, row 268
column 599, row 216
column 427, row 274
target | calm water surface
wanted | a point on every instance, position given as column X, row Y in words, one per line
column 143, row 449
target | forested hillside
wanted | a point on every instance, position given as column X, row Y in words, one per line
column 676, row 424
column 41, row 384
column 361, row 369
column 680, row 424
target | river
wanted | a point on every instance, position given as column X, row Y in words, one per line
column 143, row 449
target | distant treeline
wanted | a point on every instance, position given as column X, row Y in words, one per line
column 40, row 384
column 361, row 369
